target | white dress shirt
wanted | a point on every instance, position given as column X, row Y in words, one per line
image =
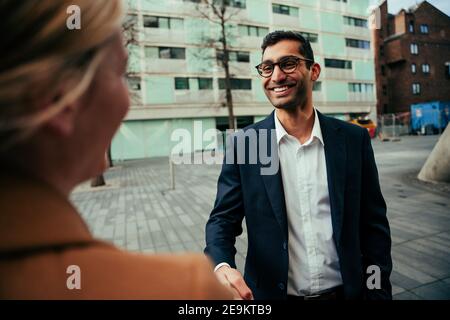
column 313, row 260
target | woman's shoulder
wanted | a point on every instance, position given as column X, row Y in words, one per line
column 115, row 273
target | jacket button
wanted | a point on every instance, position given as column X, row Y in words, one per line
column 284, row 245
column 281, row 286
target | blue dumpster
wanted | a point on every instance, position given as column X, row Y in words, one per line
column 430, row 117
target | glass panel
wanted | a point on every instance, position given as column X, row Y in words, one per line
column 178, row 53
column 317, row 86
column 262, row 31
column 181, row 83
column 164, row 23
column 243, row 30
column 151, row 52
column 253, row 31
column 151, row 22
column 134, row 84
column 243, row 56
column 205, row 83
column 164, row 53
column 176, row 24
column 293, row 11
column 284, row 10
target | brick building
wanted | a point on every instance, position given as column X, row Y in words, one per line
column 412, row 57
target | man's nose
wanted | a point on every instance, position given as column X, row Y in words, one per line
column 278, row 75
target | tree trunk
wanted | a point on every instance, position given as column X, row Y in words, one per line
column 98, row 181
column 437, row 166
column 110, row 162
column 226, row 66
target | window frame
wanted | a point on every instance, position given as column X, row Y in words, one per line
column 416, row 88
column 179, row 79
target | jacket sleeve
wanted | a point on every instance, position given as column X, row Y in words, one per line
column 375, row 231
column 225, row 221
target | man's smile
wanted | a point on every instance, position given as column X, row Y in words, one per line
column 281, row 90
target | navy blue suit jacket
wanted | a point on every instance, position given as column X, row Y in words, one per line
column 358, row 211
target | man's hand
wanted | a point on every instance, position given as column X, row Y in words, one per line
column 233, row 279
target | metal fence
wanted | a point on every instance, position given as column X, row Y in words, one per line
column 394, row 125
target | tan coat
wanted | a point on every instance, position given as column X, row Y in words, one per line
column 42, row 234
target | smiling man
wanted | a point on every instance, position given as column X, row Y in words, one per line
column 317, row 228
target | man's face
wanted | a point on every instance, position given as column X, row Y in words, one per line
column 286, row 91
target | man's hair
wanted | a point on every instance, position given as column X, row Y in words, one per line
column 279, row 35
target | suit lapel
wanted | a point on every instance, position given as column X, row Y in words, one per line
column 336, row 157
column 274, row 183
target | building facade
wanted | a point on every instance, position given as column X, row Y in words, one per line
column 412, row 57
column 176, row 81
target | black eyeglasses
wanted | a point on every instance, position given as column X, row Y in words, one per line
column 286, row 64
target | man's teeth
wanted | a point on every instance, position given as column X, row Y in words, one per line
column 280, row 89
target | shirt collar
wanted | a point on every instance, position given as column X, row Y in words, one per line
column 315, row 133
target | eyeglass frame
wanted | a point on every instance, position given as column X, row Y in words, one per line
column 278, row 63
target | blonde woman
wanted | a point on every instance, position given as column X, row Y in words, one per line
column 62, row 97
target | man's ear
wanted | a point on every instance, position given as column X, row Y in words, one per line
column 315, row 71
column 63, row 122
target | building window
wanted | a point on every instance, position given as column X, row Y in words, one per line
column 339, row 64
column 381, row 50
column 237, row 84
column 234, row 56
column 231, row 3
column 425, row 68
column 383, row 70
column 384, row 90
column 411, row 26
column 205, row 83
column 172, row 53
column 447, row 69
column 356, row 22
column 416, row 88
column 414, row 48
column 311, row 37
column 252, row 31
column 360, row 87
column 356, row 43
column 181, row 83
column 286, row 10
column 413, row 68
column 424, row 28
column 134, row 84
column 317, row 86
column 163, row 22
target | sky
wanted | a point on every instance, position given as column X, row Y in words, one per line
column 394, row 6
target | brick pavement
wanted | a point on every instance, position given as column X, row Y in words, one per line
column 138, row 212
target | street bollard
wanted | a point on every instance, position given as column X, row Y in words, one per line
column 171, row 173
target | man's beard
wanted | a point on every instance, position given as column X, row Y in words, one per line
column 299, row 100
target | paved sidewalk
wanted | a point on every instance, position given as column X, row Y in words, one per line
column 137, row 211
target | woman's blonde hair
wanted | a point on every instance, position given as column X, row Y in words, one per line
column 39, row 53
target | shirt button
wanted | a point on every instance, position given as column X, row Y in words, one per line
column 284, row 245
column 281, row 286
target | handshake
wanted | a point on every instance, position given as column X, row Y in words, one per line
column 234, row 280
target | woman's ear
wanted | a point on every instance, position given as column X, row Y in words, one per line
column 63, row 123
